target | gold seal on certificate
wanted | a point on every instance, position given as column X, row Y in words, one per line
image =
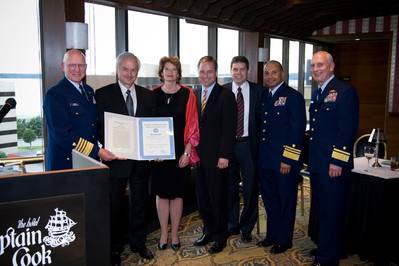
column 139, row 138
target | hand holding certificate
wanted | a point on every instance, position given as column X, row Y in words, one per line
column 139, row 138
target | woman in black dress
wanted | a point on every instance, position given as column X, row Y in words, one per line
column 169, row 177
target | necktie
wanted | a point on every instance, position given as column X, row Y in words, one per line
column 129, row 103
column 203, row 100
column 83, row 92
column 270, row 95
column 318, row 95
column 240, row 113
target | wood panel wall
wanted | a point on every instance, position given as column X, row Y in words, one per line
column 366, row 64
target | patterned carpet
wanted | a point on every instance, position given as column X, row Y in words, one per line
column 236, row 253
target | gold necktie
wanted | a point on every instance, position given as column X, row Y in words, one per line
column 203, row 100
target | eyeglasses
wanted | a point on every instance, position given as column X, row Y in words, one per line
column 75, row 66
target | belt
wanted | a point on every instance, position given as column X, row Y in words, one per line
column 242, row 139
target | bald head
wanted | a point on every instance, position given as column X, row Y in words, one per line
column 74, row 65
column 322, row 67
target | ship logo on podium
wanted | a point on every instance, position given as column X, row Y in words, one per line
column 59, row 230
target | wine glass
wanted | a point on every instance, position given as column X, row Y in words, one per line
column 369, row 153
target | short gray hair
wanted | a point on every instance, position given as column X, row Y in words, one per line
column 127, row 55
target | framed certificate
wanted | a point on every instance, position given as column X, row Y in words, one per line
column 139, row 138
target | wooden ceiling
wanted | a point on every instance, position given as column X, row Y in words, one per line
column 290, row 18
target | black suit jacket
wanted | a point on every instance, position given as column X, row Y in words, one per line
column 255, row 95
column 110, row 99
column 217, row 126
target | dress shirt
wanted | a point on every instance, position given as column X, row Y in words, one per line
column 273, row 90
column 325, row 83
column 76, row 85
column 132, row 93
column 245, row 93
column 208, row 92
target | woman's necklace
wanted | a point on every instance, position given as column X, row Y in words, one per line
column 170, row 92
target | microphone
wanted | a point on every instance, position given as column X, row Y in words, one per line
column 8, row 105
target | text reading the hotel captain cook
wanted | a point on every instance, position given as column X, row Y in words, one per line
column 139, row 138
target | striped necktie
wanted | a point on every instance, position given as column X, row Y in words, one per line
column 240, row 113
column 203, row 100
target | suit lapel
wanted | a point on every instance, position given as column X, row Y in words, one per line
column 212, row 98
column 119, row 99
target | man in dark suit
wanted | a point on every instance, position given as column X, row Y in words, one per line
column 334, row 119
column 71, row 117
column 126, row 98
column 281, row 132
column 217, row 121
column 243, row 163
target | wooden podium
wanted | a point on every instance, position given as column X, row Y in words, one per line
column 56, row 217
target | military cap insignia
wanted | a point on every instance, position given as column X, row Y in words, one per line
column 280, row 101
column 74, row 104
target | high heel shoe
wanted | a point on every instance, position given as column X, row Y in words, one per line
column 162, row 246
column 176, row 246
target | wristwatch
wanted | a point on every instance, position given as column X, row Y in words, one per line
column 187, row 154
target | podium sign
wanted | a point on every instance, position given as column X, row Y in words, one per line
column 44, row 231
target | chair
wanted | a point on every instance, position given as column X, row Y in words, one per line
column 362, row 141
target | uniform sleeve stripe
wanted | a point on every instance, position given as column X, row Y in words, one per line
column 341, row 151
column 288, row 148
column 340, row 156
column 291, row 155
column 80, row 143
column 82, row 147
column 88, row 149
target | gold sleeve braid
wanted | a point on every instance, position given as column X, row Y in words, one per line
column 84, row 146
column 291, row 153
column 340, row 155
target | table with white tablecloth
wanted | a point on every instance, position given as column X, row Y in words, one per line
column 372, row 220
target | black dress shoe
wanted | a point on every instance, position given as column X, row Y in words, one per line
column 162, row 246
column 233, row 232
column 264, row 243
column 203, row 240
column 217, row 247
column 246, row 237
column 116, row 258
column 144, row 252
column 176, row 246
column 277, row 248
column 316, row 263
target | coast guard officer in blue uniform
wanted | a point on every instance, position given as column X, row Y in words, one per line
column 71, row 116
column 282, row 129
column 334, row 118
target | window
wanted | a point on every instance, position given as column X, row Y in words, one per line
column 293, row 64
column 227, row 49
column 20, row 78
column 308, row 76
column 192, row 49
column 148, row 40
column 276, row 49
column 100, row 56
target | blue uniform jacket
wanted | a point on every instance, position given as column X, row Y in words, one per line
column 71, row 123
column 281, row 128
column 333, row 126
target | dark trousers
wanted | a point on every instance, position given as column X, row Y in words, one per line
column 138, row 199
column 330, row 197
column 242, row 165
column 279, row 194
column 212, row 201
